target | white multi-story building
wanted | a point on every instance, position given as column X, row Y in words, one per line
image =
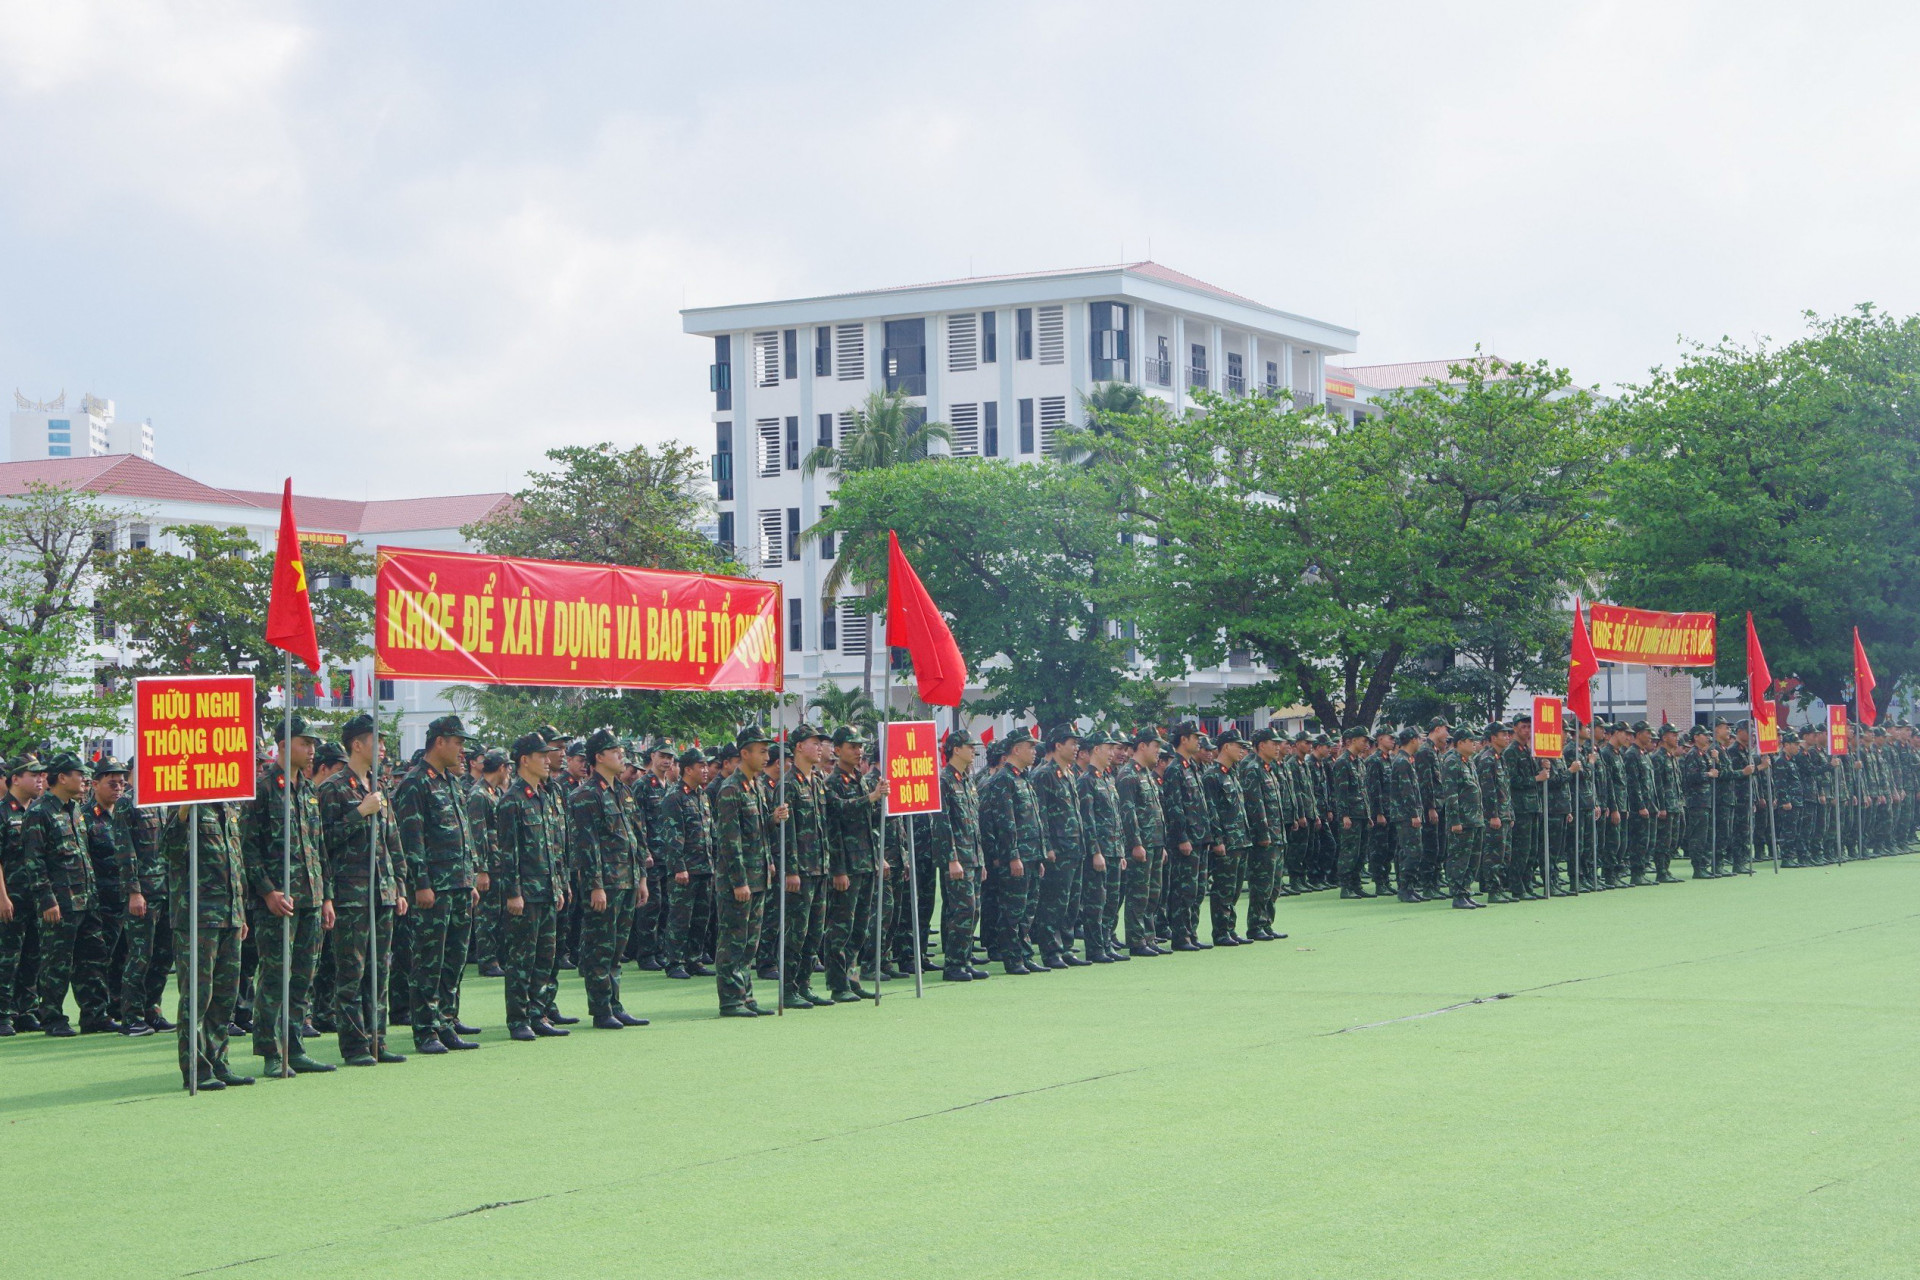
column 150, row 501
column 48, row 429
column 1004, row 361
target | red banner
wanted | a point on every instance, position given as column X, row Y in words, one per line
column 1766, row 728
column 1549, row 728
column 1839, row 732
column 444, row 615
column 1651, row 638
column 193, row 739
column 913, row 767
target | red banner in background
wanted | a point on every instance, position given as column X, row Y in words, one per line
column 1651, row 638
column 913, row 767
column 193, row 739
column 446, row 615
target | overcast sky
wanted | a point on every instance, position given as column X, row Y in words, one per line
column 403, row 249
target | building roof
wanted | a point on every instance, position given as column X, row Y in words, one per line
column 1416, row 373
column 1151, row 270
column 130, row 476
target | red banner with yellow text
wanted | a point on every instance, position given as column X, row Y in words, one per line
column 1766, row 729
column 446, row 615
column 193, row 739
column 913, row 767
column 1549, row 728
column 1839, row 732
column 1652, row 638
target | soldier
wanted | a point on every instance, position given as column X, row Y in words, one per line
column 1184, row 802
column 149, row 940
column 1380, row 834
column 1407, row 812
column 222, row 926
column 1501, row 877
column 438, row 841
column 292, row 906
column 1323, row 868
column 1670, row 805
column 956, row 843
column 808, row 863
column 1228, row 836
column 1426, row 763
column 1260, row 786
column 1610, row 791
column 19, row 922
column 1698, row 772
column 1352, row 810
column 650, row 794
column 59, row 878
column 531, row 869
column 853, row 822
column 1014, row 842
column 1520, row 846
column 360, row 860
column 745, row 824
column 1642, row 806
column 1465, row 809
column 1102, row 824
column 566, row 767
column 1736, row 813
column 1057, row 790
column 685, row 856
column 609, row 863
column 1144, row 822
column 109, row 848
column 489, row 919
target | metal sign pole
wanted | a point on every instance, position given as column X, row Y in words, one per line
column 913, row 893
column 880, row 833
column 1750, row 793
column 1573, row 865
column 376, row 1007
column 286, row 879
column 1839, row 849
column 1773, row 825
column 1546, row 857
column 193, row 950
column 780, row 1005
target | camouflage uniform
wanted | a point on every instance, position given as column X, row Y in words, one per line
column 956, row 838
column 223, row 914
column 1058, row 792
column 489, row 927
column 1184, row 801
column 1500, row 859
column 19, row 937
column 604, row 830
column 1267, row 829
column 744, row 834
column 438, row 842
column 1107, row 835
column 852, row 820
column 1380, row 833
column 1352, row 817
column 1010, row 831
column 109, row 848
column 1520, row 854
column 143, row 977
column 686, row 844
column 266, row 820
column 808, row 857
column 1464, row 807
column 53, row 840
column 1406, row 816
column 1228, row 840
column 360, row 872
column 531, row 867
column 1145, row 824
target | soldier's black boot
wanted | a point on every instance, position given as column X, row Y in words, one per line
column 1465, row 902
column 607, row 1022
column 677, row 970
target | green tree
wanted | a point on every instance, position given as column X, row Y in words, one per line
column 1020, row 559
column 1333, row 550
column 204, row 608
column 50, row 549
column 1783, row 479
column 838, row 706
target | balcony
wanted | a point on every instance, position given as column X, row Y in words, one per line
column 1158, row 373
column 1197, row 377
column 1236, row 385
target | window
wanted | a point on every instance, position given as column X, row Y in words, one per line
column 904, row 359
column 990, row 429
column 795, row 616
column 385, row 693
column 1026, row 426
column 138, row 536
column 720, row 376
column 793, row 533
column 825, row 438
column 1053, row 414
column 769, row 431
column 1197, row 366
column 1108, row 332
column 829, row 542
column 723, row 460
column 823, row 351
column 1273, row 375
column 793, row 444
column 102, row 629
column 963, row 343
column 771, row 527
column 766, row 358
column 1236, row 373
column 790, row 352
column 1023, row 333
column 964, row 420
column 829, row 625
column 856, row 631
column 852, row 363
column 989, row 336
column 1053, row 335
column 725, row 539
column 59, row 451
column 103, row 537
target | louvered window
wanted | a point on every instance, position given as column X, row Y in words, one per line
column 1053, row 414
column 963, row 352
column 964, row 420
column 851, row 359
column 766, row 358
column 769, row 431
column 793, row 533
column 773, row 522
column 1052, row 323
column 856, row 631
column 829, row 626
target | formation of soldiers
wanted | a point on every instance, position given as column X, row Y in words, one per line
column 1072, row 849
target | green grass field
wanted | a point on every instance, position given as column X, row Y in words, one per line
column 1713, row 1079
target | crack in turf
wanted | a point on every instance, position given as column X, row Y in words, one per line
column 697, row 1164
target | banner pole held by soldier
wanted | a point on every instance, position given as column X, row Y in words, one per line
column 193, row 948
column 780, row 1005
column 919, row 938
column 286, row 874
column 886, row 795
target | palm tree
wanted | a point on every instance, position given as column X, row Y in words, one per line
column 1110, row 401
column 888, row 430
column 838, row 706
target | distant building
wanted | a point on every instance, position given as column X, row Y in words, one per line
column 48, row 429
column 154, row 500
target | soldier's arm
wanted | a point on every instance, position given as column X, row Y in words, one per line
column 33, row 862
column 412, row 824
column 586, row 837
column 730, row 862
column 507, row 849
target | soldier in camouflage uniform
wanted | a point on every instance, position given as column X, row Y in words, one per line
column 566, row 768
column 1500, row 859
column 59, row 879
column 360, row 860
column 1304, row 829
column 656, row 783
column 1521, row 845
column 746, row 821
column 1670, row 805
column 1380, row 835
column 1261, row 786
column 608, row 858
column 1465, row 810
column 1352, row 811
column 1184, row 801
column 1057, row 789
column 685, row 856
column 1228, row 836
column 1434, row 833
column 489, row 918
column 531, row 869
column 149, row 939
column 1736, row 812
column 956, row 844
column 1015, row 845
column 853, row 823
column 808, row 863
column 19, row 918
column 277, row 907
column 1107, row 844
column 438, row 842
column 110, row 849
column 222, row 924
column 1406, row 812
column 1145, row 824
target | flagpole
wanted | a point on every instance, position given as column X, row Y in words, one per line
column 1546, row 821
column 913, row 893
column 1713, row 795
column 193, row 949
column 886, row 794
column 1773, row 826
column 1860, row 800
column 780, row 1007
column 376, row 1007
column 286, row 877
column 1573, row 866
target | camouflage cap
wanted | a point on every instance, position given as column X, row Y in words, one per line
column 447, row 727
column 1438, row 722
column 1406, row 734
column 804, row 731
column 1017, row 736
column 1495, row 728
column 358, row 727
column 1639, row 727
column 330, row 753
column 1146, row 734
column 1097, row 738
column 1353, row 731
column 726, row 751
column 996, row 752
column 1699, row 731
column 954, row 741
column 26, row 762
column 529, row 744
column 578, row 747
column 300, row 728
column 1230, row 734
column 1667, row 727
column 1788, row 735
column 1302, row 738
column 1062, row 733
column 1263, row 735
column 494, row 761
column 1207, row 743
column 1322, row 740
column 748, row 736
column 847, row 733
column 106, row 765
column 1521, row 717
column 64, row 762
column 1466, row 733
column 692, row 757
column 1185, row 729
column 599, row 740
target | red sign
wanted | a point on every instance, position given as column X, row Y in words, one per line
column 913, row 767
column 1651, row 638
column 1549, row 729
column 444, row 615
column 193, row 739
column 1766, row 728
column 1839, row 732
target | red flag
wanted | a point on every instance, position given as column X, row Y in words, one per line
column 986, row 739
column 1759, row 679
column 914, row 624
column 1863, row 682
column 290, row 612
column 1582, row 669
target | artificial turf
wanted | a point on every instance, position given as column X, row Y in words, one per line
column 1707, row 1079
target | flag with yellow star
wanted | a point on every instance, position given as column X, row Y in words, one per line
column 290, row 611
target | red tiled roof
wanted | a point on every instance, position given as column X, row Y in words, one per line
column 130, row 476
column 1416, row 373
